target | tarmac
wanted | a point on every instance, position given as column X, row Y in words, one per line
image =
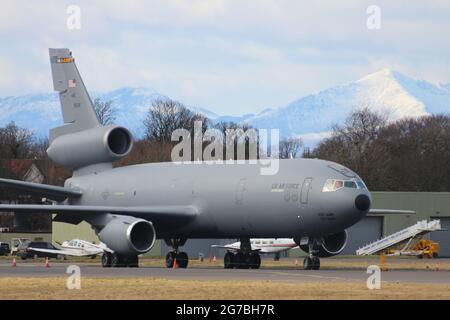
column 29, row 270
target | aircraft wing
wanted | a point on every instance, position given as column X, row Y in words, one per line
column 75, row 253
column 44, row 190
column 390, row 211
column 226, row 246
column 67, row 211
column 230, row 247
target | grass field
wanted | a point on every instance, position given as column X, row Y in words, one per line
column 151, row 288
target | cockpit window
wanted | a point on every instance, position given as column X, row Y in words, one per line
column 361, row 184
column 350, row 184
column 336, row 184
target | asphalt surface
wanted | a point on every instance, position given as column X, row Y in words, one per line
column 406, row 276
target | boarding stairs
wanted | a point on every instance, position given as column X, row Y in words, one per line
column 419, row 229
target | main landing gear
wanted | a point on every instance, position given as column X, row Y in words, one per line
column 312, row 261
column 175, row 258
column 244, row 258
column 116, row 260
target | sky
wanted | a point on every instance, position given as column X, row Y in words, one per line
column 230, row 56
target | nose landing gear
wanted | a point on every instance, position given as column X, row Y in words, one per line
column 312, row 261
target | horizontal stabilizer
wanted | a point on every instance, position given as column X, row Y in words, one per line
column 43, row 190
column 391, row 211
column 149, row 212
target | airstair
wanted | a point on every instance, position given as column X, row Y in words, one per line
column 419, row 229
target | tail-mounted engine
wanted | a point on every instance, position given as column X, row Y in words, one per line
column 91, row 146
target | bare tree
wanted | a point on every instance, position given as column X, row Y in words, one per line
column 15, row 142
column 165, row 116
column 105, row 111
column 353, row 145
column 39, row 151
column 290, row 147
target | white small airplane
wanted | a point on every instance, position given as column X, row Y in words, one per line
column 264, row 246
column 77, row 248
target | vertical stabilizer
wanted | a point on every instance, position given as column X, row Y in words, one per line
column 77, row 108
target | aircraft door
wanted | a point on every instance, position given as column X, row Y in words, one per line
column 305, row 190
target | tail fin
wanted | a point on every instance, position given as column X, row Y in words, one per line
column 77, row 108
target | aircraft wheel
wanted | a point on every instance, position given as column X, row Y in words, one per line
column 170, row 258
column 307, row 263
column 228, row 260
column 116, row 260
column 133, row 261
column 238, row 260
column 247, row 261
column 315, row 263
column 255, row 261
column 182, row 260
column 106, row 260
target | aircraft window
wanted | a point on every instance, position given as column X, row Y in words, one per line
column 328, row 187
column 338, row 184
column 361, row 184
column 350, row 184
column 334, row 184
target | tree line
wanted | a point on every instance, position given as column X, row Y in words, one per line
column 412, row 154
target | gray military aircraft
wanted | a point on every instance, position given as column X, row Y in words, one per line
column 310, row 200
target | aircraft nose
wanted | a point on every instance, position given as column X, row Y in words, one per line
column 362, row 202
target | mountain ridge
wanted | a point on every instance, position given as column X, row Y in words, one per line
column 386, row 91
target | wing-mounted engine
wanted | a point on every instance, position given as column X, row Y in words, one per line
column 128, row 235
column 329, row 246
column 92, row 146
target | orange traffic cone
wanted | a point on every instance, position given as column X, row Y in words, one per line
column 14, row 263
column 174, row 266
column 47, row 264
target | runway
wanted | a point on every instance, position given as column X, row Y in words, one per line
column 267, row 274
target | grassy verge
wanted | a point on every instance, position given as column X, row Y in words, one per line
column 151, row 288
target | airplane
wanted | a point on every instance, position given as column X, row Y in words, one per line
column 262, row 246
column 78, row 248
column 310, row 200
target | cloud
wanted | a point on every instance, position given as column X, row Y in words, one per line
column 227, row 55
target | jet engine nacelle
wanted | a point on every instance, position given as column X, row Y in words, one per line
column 92, row 146
column 331, row 245
column 128, row 235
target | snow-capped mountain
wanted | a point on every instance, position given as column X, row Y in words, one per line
column 311, row 116
column 40, row 112
column 384, row 91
